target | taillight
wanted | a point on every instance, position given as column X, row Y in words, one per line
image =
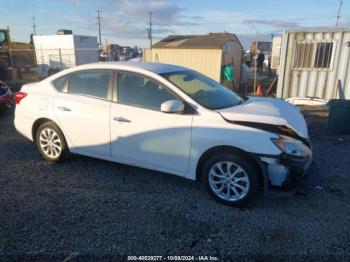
column 20, row 96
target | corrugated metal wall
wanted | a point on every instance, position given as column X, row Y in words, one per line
column 311, row 80
column 206, row 61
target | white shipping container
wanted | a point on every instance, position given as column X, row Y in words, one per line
column 315, row 64
column 64, row 51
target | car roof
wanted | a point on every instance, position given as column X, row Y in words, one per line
column 157, row 68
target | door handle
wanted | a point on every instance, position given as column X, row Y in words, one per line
column 63, row 108
column 121, row 119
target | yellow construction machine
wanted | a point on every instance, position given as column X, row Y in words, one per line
column 17, row 60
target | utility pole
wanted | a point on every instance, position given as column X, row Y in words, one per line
column 99, row 26
column 34, row 25
column 339, row 12
column 150, row 30
column 107, row 50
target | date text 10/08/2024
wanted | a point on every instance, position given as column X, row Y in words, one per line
column 173, row 258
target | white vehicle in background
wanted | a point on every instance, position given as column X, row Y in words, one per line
column 170, row 119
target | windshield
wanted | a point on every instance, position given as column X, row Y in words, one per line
column 203, row 90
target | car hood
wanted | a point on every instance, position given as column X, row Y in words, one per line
column 269, row 111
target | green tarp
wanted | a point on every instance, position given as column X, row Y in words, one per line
column 227, row 73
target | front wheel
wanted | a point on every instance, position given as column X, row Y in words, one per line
column 230, row 179
column 51, row 142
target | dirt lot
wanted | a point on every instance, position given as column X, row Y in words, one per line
column 88, row 207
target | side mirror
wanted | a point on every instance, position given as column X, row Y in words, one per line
column 172, row 106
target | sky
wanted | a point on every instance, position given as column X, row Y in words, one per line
column 125, row 22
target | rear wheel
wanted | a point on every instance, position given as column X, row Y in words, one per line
column 230, row 179
column 51, row 142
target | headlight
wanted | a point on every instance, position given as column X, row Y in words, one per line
column 291, row 146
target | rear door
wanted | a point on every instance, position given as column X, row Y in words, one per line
column 141, row 133
column 83, row 111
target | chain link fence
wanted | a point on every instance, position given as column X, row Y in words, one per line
column 21, row 66
column 50, row 61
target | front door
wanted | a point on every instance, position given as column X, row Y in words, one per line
column 141, row 133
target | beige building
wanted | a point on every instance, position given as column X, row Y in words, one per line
column 203, row 53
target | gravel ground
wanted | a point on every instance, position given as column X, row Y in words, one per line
column 88, row 207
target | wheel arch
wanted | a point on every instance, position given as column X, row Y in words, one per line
column 227, row 149
column 38, row 123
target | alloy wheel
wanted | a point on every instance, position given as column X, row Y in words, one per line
column 229, row 181
column 50, row 143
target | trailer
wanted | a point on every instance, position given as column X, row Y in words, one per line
column 57, row 52
column 315, row 64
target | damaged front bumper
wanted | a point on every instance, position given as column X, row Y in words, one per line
column 284, row 169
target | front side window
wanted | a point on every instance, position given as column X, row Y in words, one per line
column 141, row 91
column 92, row 83
column 203, row 90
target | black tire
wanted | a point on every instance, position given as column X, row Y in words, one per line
column 55, row 155
column 251, row 173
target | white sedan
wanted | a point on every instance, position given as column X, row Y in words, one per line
column 167, row 118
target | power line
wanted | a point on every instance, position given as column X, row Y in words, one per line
column 298, row 19
column 34, row 25
column 338, row 16
column 99, row 26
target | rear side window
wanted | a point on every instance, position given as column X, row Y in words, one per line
column 59, row 83
column 93, row 83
